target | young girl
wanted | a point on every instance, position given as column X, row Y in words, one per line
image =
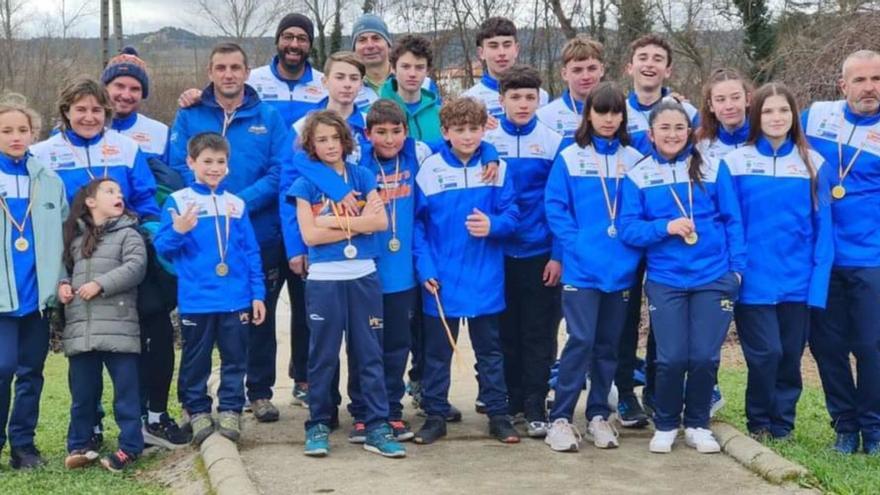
column 32, row 200
column 685, row 213
column 582, row 201
column 724, row 123
column 343, row 293
column 106, row 259
column 789, row 256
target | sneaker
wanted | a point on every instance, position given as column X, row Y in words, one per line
column 229, row 425
column 630, row 412
column 502, row 429
column 701, row 439
column 202, row 427
column 317, row 441
column 380, row 440
column 185, row 422
column 563, row 436
column 301, row 394
column 871, row 445
column 519, row 419
column 603, row 433
column 536, row 429
column 358, row 433
column 401, row 430
column 265, row 411
column 433, row 429
column 165, row 434
column 79, row 458
column 118, row 460
column 847, row 442
column 662, row 441
column 480, row 406
column 25, row 458
column 717, row 401
column 454, row 415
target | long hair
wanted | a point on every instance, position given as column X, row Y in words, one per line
column 795, row 133
column 79, row 212
column 708, row 121
column 604, row 98
column 696, row 161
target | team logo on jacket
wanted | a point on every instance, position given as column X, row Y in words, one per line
column 140, row 137
column 109, row 150
column 313, row 91
column 376, row 323
column 257, row 129
column 536, row 148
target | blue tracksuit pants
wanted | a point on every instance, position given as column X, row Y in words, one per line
column 24, row 343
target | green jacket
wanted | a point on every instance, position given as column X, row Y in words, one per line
column 48, row 213
column 424, row 123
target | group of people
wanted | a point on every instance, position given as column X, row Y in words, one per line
column 395, row 218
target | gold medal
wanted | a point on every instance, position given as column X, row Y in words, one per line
column 394, row 245
column 691, row 239
column 612, row 231
column 350, row 251
column 22, row 244
column 838, row 192
column 222, row 269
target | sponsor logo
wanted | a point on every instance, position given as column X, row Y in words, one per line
column 258, row 129
column 376, row 323
column 536, row 148
column 140, row 137
column 316, row 317
column 109, row 150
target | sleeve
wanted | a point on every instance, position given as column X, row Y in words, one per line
column 167, row 241
column 635, row 229
column 252, row 253
column 728, row 207
column 426, row 269
column 166, row 153
column 143, row 188
column 131, row 271
column 264, row 192
column 823, row 247
column 488, row 153
column 177, row 146
column 505, row 217
column 558, row 206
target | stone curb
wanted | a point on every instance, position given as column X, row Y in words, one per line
column 751, row 454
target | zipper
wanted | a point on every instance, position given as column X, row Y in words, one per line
column 88, row 304
column 518, row 134
column 6, row 265
column 774, row 163
column 851, row 133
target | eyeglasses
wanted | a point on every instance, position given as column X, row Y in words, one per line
column 290, row 38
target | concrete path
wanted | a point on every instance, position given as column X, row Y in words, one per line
column 467, row 461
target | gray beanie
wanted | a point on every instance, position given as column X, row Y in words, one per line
column 370, row 23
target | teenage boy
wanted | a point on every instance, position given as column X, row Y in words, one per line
column 465, row 218
column 411, row 58
column 531, row 273
column 497, row 48
column 583, row 66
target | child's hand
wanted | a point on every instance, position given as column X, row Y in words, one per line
column 259, row 312
column 350, row 204
column 374, row 206
column 432, row 285
column 552, row 273
column 478, row 224
column 65, row 293
column 490, row 173
column 680, row 226
column 89, row 290
column 492, row 123
column 299, row 265
column 186, row 222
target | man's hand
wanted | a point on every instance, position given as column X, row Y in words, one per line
column 299, row 265
column 89, row 290
column 259, row 312
column 552, row 273
column 189, row 97
column 478, row 224
column 186, row 222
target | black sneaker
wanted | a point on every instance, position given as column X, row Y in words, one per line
column 454, row 415
column 118, row 460
column 166, row 434
column 502, row 429
column 630, row 412
column 433, row 429
column 26, row 458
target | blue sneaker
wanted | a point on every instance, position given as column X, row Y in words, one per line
column 847, row 442
column 318, row 440
column 717, row 401
column 380, row 440
column 871, row 444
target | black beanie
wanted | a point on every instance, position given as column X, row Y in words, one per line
column 295, row 20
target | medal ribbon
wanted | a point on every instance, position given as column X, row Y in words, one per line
column 222, row 247
column 843, row 172
column 19, row 227
column 333, row 206
column 678, row 200
column 88, row 160
column 393, row 199
column 611, row 207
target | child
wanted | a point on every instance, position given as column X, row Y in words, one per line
column 788, row 261
column 207, row 234
column 33, row 200
column 684, row 213
column 724, row 123
column 583, row 67
column 106, row 259
column 583, row 200
column 411, row 59
column 465, row 219
column 343, row 293
column 531, row 272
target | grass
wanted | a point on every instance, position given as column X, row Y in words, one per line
column 811, row 446
column 51, row 440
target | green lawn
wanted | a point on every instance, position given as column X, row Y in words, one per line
column 51, row 436
column 811, row 446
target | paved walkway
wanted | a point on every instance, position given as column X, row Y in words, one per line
column 467, row 461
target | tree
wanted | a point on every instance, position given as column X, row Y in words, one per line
column 240, row 19
column 336, row 35
column 760, row 36
column 632, row 21
column 11, row 22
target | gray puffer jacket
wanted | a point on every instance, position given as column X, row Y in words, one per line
column 109, row 321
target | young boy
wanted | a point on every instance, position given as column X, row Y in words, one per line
column 463, row 217
column 207, row 235
column 411, row 59
column 531, row 272
column 583, row 66
column 497, row 48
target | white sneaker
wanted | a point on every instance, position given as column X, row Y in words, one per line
column 562, row 436
column 537, row 429
column 603, row 434
column 701, row 439
column 661, row 442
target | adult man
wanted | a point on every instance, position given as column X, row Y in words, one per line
column 260, row 142
column 847, row 134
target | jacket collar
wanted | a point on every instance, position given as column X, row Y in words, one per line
column 518, row 130
column 605, row 146
column 765, row 148
column 124, row 123
column 306, row 77
column 14, row 165
column 634, row 100
column 737, row 137
column 355, row 120
column 389, row 90
column 76, row 140
column 682, row 155
column 489, row 81
column 572, row 104
column 450, row 157
column 856, row 119
column 248, row 103
column 200, row 188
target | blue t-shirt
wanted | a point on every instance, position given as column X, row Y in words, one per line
column 15, row 187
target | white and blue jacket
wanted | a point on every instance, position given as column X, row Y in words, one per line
column 637, row 120
column 486, row 91
column 292, row 98
column 648, row 206
column 357, row 123
column 563, row 115
column 195, row 254
column 368, row 95
column 714, row 150
column 151, row 135
column 110, row 154
column 470, row 270
column 857, row 215
column 259, row 143
column 578, row 215
column 789, row 239
column 529, row 151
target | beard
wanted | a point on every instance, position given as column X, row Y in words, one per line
column 295, row 67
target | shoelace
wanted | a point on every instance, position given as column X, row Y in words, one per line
column 122, row 457
column 607, row 427
column 570, row 427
